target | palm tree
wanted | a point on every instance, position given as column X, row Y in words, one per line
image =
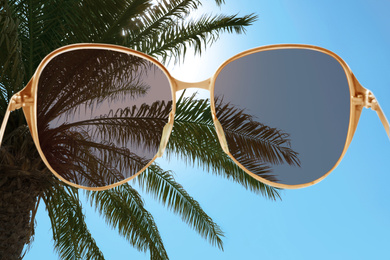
column 29, row 30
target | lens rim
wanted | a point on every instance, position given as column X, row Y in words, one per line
column 31, row 90
column 354, row 89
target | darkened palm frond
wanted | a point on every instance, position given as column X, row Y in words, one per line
column 88, row 79
column 88, row 152
column 163, row 187
column 136, row 125
column 123, row 209
column 72, row 239
column 89, row 163
column 136, row 132
column 138, row 129
column 248, row 137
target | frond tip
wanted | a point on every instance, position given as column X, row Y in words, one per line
column 72, row 239
column 163, row 187
column 123, row 209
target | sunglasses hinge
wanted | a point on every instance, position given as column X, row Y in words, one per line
column 367, row 100
column 18, row 101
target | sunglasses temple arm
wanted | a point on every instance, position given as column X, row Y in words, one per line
column 5, row 121
column 17, row 101
column 368, row 100
column 382, row 117
column 165, row 135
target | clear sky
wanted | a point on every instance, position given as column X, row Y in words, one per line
column 346, row 216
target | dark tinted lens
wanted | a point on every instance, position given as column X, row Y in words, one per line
column 285, row 113
column 101, row 114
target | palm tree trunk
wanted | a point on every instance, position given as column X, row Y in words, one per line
column 18, row 200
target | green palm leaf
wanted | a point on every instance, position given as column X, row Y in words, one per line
column 175, row 39
column 161, row 16
column 11, row 66
column 72, row 239
column 123, row 209
column 165, row 189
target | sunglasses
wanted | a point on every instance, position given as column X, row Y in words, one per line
column 101, row 114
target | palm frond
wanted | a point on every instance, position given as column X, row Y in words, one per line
column 256, row 139
column 11, row 65
column 72, row 239
column 159, row 17
column 32, row 16
column 88, row 79
column 208, row 155
column 124, row 18
column 135, row 125
column 123, row 209
column 165, row 189
column 261, row 142
column 175, row 39
column 88, row 151
column 89, row 163
column 194, row 140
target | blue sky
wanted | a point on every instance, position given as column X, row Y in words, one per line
column 346, row 216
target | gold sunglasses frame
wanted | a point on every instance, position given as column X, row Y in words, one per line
column 27, row 100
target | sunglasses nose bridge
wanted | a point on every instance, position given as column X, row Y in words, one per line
column 180, row 85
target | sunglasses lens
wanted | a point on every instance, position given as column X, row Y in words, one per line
column 100, row 115
column 285, row 113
